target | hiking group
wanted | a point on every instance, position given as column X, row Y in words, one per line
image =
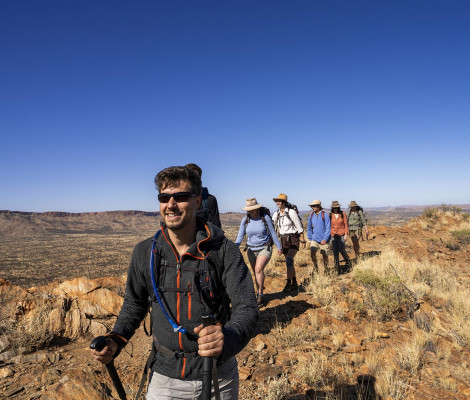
column 324, row 231
column 198, row 291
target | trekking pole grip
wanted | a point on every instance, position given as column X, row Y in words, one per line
column 207, row 320
column 99, row 343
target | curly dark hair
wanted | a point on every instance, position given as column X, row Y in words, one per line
column 171, row 176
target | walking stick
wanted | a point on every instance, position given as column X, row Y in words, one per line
column 207, row 363
column 98, row 344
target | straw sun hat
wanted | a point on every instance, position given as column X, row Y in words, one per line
column 251, row 204
column 315, row 203
column 281, row 197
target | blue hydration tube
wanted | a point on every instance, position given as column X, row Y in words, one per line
column 176, row 328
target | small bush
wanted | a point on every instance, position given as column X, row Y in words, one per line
column 449, row 208
column 431, row 213
column 386, row 295
column 462, row 236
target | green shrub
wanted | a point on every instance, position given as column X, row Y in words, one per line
column 386, row 295
column 453, row 209
column 431, row 213
column 462, row 236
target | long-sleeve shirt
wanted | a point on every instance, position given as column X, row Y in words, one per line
column 287, row 224
column 319, row 227
column 339, row 224
column 356, row 220
column 257, row 233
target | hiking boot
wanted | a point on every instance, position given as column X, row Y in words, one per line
column 287, row 287
column 260, row 299
column 294, row 286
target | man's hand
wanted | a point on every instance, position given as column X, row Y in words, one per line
column 279, row 252
column 346, row 237
column 106, row 355
column 211, row 340
column 323, row 242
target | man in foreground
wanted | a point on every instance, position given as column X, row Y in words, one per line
column 194, row 271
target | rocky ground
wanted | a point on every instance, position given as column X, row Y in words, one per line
column 306, row 347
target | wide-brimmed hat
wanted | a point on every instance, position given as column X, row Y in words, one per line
column 281, row 197
column 335, row 204
column 315, row 203
column 251, row 204
column 353, row 204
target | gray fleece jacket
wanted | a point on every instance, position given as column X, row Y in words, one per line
column 178, row 282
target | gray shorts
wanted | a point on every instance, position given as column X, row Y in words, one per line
column 323, row 247
column 163, row 388
column 253, row 254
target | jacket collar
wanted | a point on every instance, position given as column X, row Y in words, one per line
column 206, row 235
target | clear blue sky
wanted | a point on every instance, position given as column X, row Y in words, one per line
column 336, row 100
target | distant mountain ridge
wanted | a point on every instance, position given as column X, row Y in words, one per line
column 15, row 224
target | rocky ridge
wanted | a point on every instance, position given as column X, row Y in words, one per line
column 45, row 332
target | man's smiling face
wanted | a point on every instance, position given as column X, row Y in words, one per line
column 177, row 215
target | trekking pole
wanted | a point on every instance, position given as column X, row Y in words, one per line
column 207, row 362
column 98, row 344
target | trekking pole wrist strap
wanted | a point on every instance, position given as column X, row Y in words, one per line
column 120, row 341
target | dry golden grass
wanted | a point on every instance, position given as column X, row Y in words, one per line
column 424, row 280
column 32, row 333
column 295, row 336
column 310, row 369
column 278, row 388
column 390, row 384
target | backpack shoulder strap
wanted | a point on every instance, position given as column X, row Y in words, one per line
column 205, row 197
column 247, row 220
column 287, row 213
column 266, row 226
column 323, row 215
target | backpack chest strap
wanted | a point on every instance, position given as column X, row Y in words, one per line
column 175, row 354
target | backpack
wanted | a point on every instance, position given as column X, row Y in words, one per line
column 205, row 203
column 359, row 209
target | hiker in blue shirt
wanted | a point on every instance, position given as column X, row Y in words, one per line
column 319, row 234
column 258, row 227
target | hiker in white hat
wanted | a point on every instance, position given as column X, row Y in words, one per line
column 356, row 221
column 290, row 228
column 339, row 234
column 318, row 232
column 258, row 227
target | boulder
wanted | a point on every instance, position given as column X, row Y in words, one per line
column 76, row 287
column 100, row 303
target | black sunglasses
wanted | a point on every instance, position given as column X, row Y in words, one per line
column 180, row 197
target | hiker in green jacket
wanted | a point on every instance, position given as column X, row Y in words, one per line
column 356, row 221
